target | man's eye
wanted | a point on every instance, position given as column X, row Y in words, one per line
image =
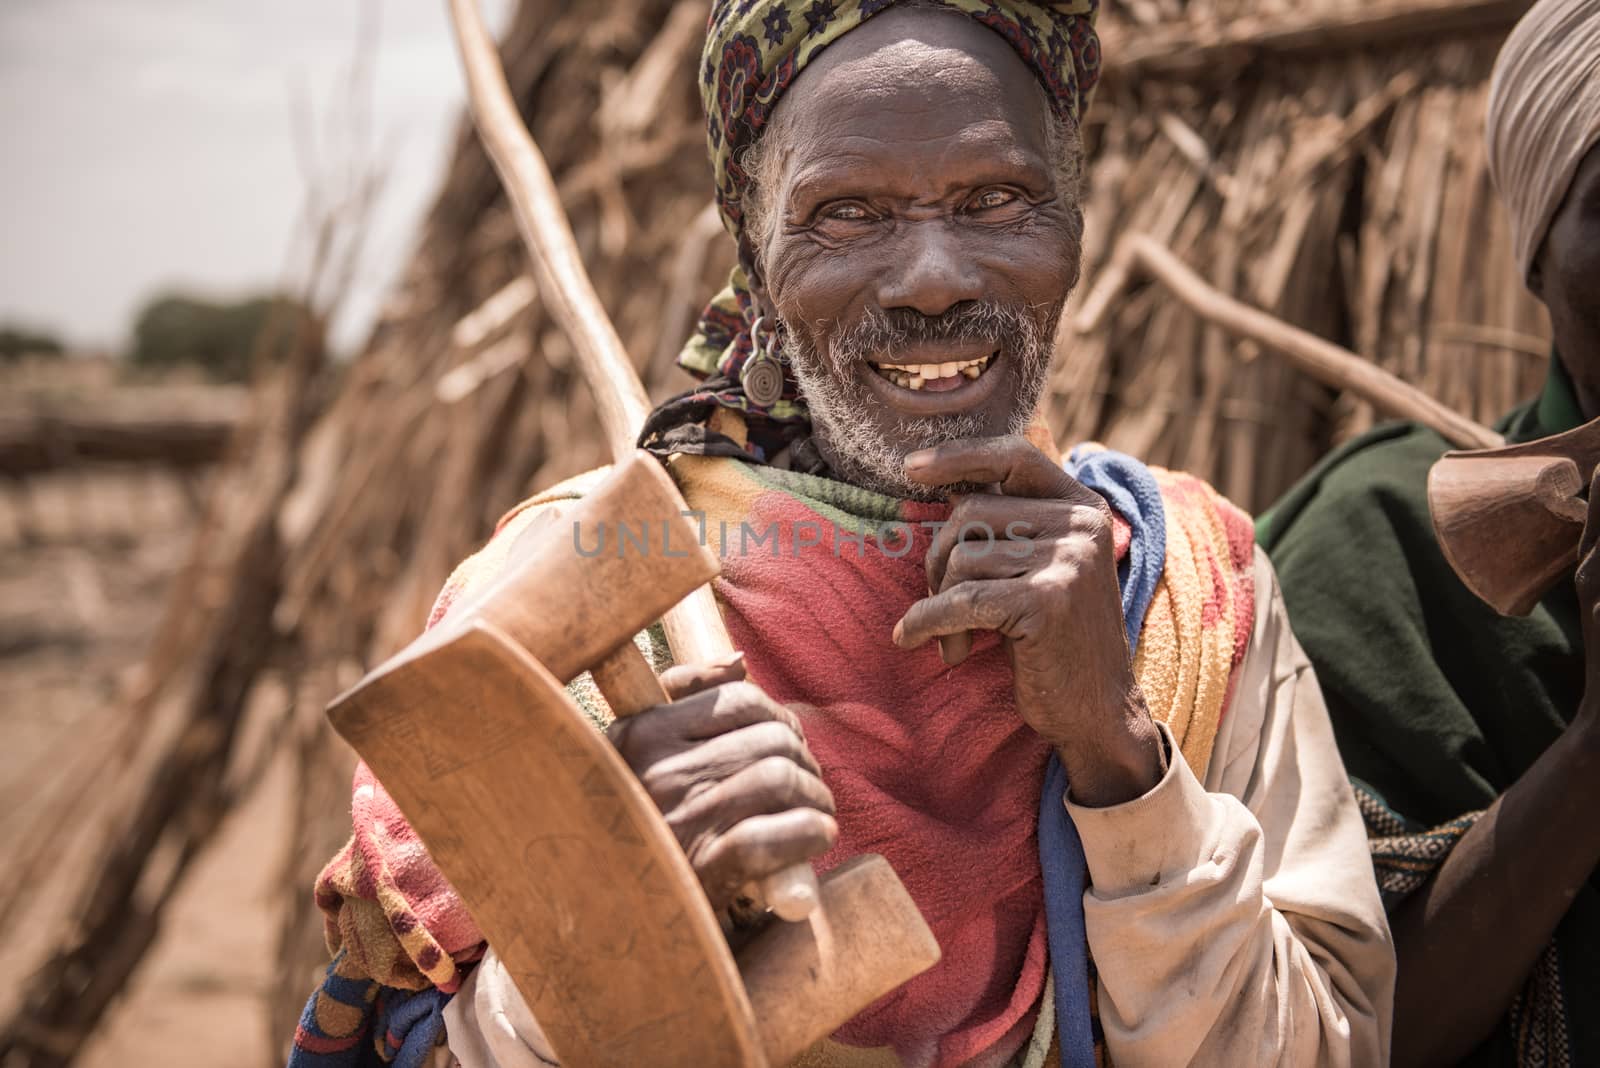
column 845, row 212
column 994, row 198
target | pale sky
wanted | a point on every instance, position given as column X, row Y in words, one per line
column 147, row 145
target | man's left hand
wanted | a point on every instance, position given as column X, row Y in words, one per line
column 1036, row 562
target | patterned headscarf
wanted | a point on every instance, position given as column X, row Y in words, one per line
column 754, row 49
column 1544, row 115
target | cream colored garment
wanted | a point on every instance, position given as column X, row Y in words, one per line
column 1235, row 924
column 1544, row 115
column 1239, row 923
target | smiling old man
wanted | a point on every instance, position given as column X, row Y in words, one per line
column 1093, row 752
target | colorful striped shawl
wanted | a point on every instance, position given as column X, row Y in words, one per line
column 929, row 765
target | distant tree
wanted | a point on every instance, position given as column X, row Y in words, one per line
column 219, row 338
column 17, row 342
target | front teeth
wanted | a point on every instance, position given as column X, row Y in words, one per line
column 914, row 375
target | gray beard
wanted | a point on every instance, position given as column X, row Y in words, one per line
column 841, row 405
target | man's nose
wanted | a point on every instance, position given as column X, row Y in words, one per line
column 929, row 271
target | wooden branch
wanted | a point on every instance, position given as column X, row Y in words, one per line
column 563, row 282
column 491, row 317
column 1213, row 51
column 1326, row 362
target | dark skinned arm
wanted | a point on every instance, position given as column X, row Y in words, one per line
column 1494, row 903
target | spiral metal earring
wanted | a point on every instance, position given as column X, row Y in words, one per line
column 762, row 374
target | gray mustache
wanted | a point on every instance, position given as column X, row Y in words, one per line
column 987, row 321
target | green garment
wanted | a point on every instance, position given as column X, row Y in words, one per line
column 1439, row 704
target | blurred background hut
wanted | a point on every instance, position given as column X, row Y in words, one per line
column 186, row 618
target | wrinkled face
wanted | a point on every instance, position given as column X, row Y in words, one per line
column 1567, row 279
column 920, row 243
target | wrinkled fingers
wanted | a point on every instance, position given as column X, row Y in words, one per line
column 659, row 732
column 675, row 777
column 992, row 605
column 758, row 847
column 767, row 787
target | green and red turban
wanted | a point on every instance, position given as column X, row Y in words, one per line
column 754, row 50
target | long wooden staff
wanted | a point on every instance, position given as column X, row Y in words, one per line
column 695, row 630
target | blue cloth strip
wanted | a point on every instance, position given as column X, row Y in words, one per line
column 1131, row 490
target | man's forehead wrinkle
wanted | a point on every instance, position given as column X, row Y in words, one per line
column 862, row 116
column 921, row 124
column 846, row 160
column 889, row 69
column 931, row 89
column 844, row 134
column 986, row 136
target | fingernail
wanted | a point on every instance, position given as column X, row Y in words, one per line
column 734, row 659
column 920, row 458
column 899, row 632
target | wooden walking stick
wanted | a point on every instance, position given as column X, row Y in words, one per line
column 694, row 627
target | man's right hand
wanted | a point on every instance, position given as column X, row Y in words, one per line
column 729, row 768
